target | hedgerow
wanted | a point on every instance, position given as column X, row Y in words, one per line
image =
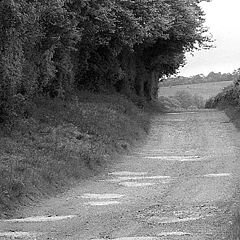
column 55, row 47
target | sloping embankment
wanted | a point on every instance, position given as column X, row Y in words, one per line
column 229, row 101
column 59, row 143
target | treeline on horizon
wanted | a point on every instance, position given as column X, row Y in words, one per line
column 55, row 47
column 201, row 78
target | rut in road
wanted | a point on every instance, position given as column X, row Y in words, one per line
column 180, row 185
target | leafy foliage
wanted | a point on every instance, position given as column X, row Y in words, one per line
column 187, row 100
column 52, row 47
column 230, row 96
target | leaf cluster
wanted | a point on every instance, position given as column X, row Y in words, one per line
column 52, row 47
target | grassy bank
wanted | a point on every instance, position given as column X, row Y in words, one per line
column 59, row 143
column 182, row 101
column 228, row 101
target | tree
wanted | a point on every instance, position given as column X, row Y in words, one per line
column 52, row 47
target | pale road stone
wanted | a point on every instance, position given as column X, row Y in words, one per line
column 41, row 219
column 168, row 220
column 136, row 184
column 105, row 203
column 101, row 196
column 166, row 234
column 124, row 173
column 218, row 175
column 132, row 238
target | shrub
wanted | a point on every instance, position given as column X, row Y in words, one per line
column 229, row 96
column 188, row 100
column 63, row 142
column 53, row 47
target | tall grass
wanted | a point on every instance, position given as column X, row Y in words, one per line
column 229, row 101
column 61, row 142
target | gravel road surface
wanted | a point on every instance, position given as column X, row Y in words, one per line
column 181, row 184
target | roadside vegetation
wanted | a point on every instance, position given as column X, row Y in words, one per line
column 52, row 48
column 182, row 100
column 228, row 97
column 63, row 142
column 77, row 79
column 229, row 101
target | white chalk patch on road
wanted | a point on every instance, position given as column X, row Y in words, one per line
column 18, row 235
column 177, row 113
column 126, row 173
column 122, row 179
column 178, row 158
column 135, row 184
column 191, row 160
column 142, row 178
column 158, row 177
column 218, row 175
column 166, row 234
column 136, row 238
column 131, row 238
column 168, row 220
column 104, row 203
column 101, row 196
column 41, row 219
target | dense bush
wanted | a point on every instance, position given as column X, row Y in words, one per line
column 188, row 100
column 229, row 96
column 53, row 47
column 182, row 100
column 64, row 142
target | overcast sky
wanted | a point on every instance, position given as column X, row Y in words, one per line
column 223, row 19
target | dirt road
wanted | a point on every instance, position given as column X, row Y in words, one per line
column 181, row 184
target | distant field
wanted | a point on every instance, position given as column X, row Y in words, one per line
column 206, row 90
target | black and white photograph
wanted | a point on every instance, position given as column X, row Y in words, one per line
column 119, row 120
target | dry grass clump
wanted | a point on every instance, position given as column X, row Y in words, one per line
column 61, row 142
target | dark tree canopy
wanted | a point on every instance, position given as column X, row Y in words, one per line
column 55, row 46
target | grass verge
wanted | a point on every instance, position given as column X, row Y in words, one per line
column 229, row 101
column 60, row 143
